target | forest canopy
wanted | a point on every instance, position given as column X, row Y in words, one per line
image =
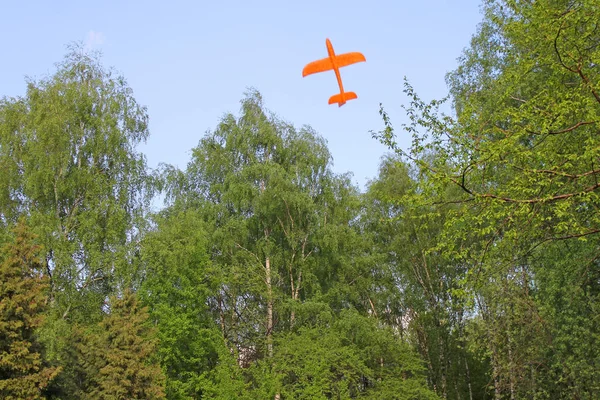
column 469, row 268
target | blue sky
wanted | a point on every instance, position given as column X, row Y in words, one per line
column 190, row 62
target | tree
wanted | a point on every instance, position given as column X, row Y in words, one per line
column 259, row 183
column 285, row 250
column 522, row 149
column 24, row 372
column 420, row 301
column 349, row 356
column 178, row 279
column 67, row 152
column 119, row 358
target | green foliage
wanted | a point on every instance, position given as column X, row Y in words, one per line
column 67, row 151
column 468, row 269
column 269, row 235
column 119, row 357
column 264, row 188
column 24, row 373
column 178, row 281
column 424, row 288
column 346, row 357
column 514, row 172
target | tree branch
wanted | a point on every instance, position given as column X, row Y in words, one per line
column 586, row 80
column 572, row 128
column 559, row 173
column 538, row 200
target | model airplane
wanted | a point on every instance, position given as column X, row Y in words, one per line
column 335, row 62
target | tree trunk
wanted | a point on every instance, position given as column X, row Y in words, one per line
column 422, row 341
column 442, row 361
column 511, row 368
column 495, row 372
column 269, row 308
column 468, row 378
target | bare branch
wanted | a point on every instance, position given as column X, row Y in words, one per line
column 586, row 80
column 539, row 200
column 255, row 256
column 572, row 128
column 560, row 60
column 373, row 307
column 559, row 173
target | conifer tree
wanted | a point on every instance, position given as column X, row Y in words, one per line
column 23, row 372
column 119, row 359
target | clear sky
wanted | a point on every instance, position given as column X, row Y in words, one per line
column 190, row 61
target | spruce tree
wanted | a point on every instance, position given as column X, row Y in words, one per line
column 119, row 359
column 23, row 372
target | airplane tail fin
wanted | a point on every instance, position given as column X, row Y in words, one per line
column 341, row 98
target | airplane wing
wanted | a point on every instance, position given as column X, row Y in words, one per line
column 349, row 58
column 317, row 66
column 325, row 64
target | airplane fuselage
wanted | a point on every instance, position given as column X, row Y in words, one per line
column 336, row 69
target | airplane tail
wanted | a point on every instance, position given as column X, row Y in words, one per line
column 341, row 98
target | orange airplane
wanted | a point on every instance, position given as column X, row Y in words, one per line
column 335, row 62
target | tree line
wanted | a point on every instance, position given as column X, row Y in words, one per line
column 468, row 268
